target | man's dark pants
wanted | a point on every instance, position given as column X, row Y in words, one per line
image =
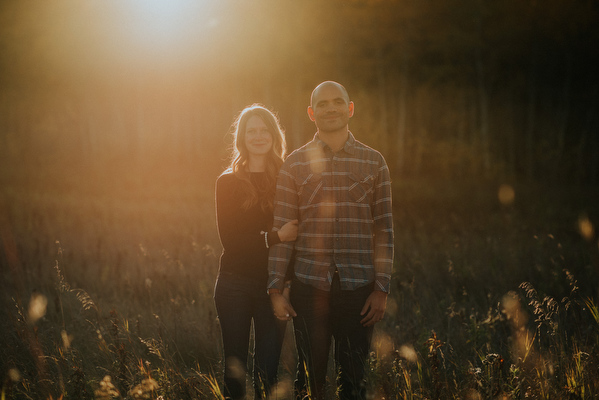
column 322, row 315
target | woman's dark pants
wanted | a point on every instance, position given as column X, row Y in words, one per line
column 238, row 301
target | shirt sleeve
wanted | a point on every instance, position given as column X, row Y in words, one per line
column 285, row 210
column 273, row 238
column 383, row 229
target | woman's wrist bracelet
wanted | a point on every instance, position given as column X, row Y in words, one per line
column 265, row 238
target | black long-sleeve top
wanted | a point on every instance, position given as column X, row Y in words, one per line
column 245, row 253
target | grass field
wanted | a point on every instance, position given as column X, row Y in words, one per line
column 107, row 285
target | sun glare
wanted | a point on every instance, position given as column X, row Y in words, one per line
column 160, row 20
column 167, row 27
column 106, row 40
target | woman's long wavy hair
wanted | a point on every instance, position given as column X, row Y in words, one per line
column 240, row 156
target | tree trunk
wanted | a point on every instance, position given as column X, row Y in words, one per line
column 593, row 165
column 89, row 143
column 295, row 140
column 382, row 88
column 400, row 142
column 510, row 130
column 483, row 109
column 531, row 116
column 563, row 115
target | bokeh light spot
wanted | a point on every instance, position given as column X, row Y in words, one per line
column 14, row 375
column 408, row 352
column 506, row 195
column 513, row 310
column 66, row 339
column 37, row 307
column 383, row 345
column 585, row 227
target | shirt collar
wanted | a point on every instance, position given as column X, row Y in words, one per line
column 349, row 146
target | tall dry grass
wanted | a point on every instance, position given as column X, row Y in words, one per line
column 107, row 290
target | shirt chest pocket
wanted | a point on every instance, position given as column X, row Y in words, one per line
column 309, row 188
column 361, row 187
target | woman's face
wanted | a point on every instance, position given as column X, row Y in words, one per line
column 258, row 138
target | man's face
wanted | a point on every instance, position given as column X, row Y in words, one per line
column 330, row 109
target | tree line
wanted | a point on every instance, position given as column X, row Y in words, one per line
column 445, row 88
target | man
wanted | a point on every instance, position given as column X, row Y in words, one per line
column 340, row 191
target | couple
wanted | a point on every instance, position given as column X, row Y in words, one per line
column 318, row 249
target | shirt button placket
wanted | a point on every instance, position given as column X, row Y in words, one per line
column 334, row 165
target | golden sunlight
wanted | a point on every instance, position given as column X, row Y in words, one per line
column 161, row 23
column 172, row 32
column 133, row 35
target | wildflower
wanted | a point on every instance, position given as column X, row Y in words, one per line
column 144, row 390
column 14, row 375
column 106, row 391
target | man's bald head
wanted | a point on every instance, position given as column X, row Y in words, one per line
column 328, row 84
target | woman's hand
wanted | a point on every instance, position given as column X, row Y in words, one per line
column 288, row 232
column 281, row 307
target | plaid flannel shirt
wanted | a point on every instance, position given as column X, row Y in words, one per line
column 343, row 203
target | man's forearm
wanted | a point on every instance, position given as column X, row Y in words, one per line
column 278, row 262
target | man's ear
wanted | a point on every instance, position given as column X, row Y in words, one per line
column 351, row 109
column 311, row 113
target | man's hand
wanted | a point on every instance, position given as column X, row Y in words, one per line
column 374, row 308
column 288, row 232
column 281, row 307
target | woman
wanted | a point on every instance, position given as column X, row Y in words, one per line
column 244, row 211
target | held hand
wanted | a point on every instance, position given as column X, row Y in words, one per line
column 281, row 307
column 287, row 293
column 374, row 308
column 288, row 232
